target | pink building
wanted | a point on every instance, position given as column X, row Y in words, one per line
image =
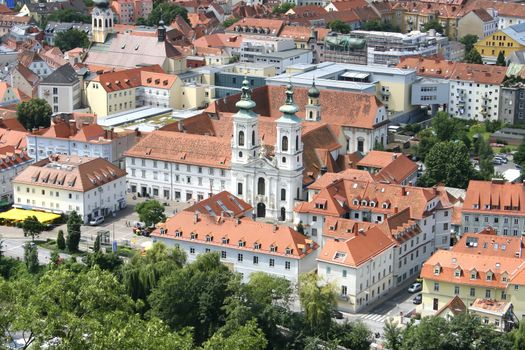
column 128, row 11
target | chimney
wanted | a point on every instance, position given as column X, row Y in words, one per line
column 396, row 209
column 195, row 217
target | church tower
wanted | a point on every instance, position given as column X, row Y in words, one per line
column 313, row 108
column 101, row 21
column 245, row 128
column 289, row 147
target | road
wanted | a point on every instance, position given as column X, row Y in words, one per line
column 14, row 248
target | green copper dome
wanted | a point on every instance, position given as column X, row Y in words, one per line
column 313, row 92
column 245, row 104
column 289, row 108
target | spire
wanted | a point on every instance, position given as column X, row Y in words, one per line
column 245, row 104
column 289, row 108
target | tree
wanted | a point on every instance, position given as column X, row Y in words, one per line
column 143, row 272
column 194, row 296
column 68, row 15
column 318, row 302
column 167, row 12
column 32, row 227
column 519, row 156
column 381, row 26
column 433, row 24
column 351, row 335
column 71, row 39
column 141, row 21
column 61, row 241
column 31, row 257
column 519, row 337
column 473, row 56
column 449, row 163
column 74, row 223
column 393, row 335
column 283, row 8
column 228, row 22
column 150, row 212
column 339, row 26
column 447, row 128
column 469, row 40
column 34, row 113
column 484, row 151
column 500, row 61
column 247, row 337
column 378, row 146
column 96, row 244
column 427, row 140
column 300, row 228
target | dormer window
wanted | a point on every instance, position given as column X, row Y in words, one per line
column 273, row 248
column 473, row 275
column 490, row 276
column 385, row 205
column 364, row 202
column 193, row 236
column 225, row 240
column 356, row 202
column 476, row 206
column 257, row 246
column 372, row 204
column 504, row 278
column 178, row 233
column 242, row 243
column 457, row 273
column 289, row 251
column 209, row 238
column 437, row 269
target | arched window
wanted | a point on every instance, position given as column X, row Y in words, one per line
column 240, row 154
column 260, row 186
column 111, row 22
column 95, row 23
column 100, row 22
column 283, row 194
column 311, row 115
column 253, row 137
column 284, row 143
column 297, row 142
column 284, row 159
column 241, row 138
column 239, row 188
column 107, row 23
column 283, row 214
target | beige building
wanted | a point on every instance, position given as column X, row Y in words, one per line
column 477, row 22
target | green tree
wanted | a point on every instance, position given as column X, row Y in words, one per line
column 68, row 15
column 31, row 257
column 500, row 60
column 61, row 241
column 433, row 24
column 141, row 21
column 283, row 8
column 96, row 244
column 484, row 151
column 247, row 337
column 427, row 140
column 143, row 272
column 351, row 335
column 167, row 12
column 519, row 156
column 34, row 113
column 194, row 296
column 381, row 26
column 228, row 22
column 109, row 261
column 473, row 56
column 393, row 335
column 519, row 337
column 32, row 227
column 469, row 40
column 339, row 26
column 71, row 39
column 378, row 146
column 74, row 223
column 150, row 212
column 449, row 163
column 318, row 302
column 447, row 128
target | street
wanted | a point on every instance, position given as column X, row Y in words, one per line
column 14, row 248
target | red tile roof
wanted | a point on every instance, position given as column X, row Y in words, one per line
column 495, row 198
column 273, row 25
column 487, row 243
column 222, row 204
column 242, row 234
column 349, row 4
column 125, row 79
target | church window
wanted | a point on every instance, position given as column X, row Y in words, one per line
column 311, row 115
column 100, row 22
column 284, row 159
column 283, row 194
column 260, row 186
column 296, row 143
column 241, row 138
column 284, row 143
column 253, row 138
column 106, row 22
column 239, row 188
column 240, row 154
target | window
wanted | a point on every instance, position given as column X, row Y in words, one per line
column 287, row 265
column 239, row 257
column 255, row 260
column 260, row 186
column 283, row 194
column 241, row 138
column 284, row 144
column 472, row 292
column 272, row 262
column 344, row 273
column 223, row 254
column 436, row 287
column 239, row 189
column 344, row 290
column 473, row 275
column 456, row 290
column 192, row 250
column 487, row 293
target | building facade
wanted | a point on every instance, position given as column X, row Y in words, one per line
column 61, row 89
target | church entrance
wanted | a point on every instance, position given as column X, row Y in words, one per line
column 261, row 210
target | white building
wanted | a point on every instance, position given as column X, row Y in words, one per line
column 12, row 162
column 245, row 245
column 61, row 89
column 60, row 184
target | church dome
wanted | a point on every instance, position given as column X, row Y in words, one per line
column 101, row 3
column 313, row 92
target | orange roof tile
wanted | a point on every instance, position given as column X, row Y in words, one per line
column 125, row 79
column 495, row 197
column 222, row 204
column 243, row 234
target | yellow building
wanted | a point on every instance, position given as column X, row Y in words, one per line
column 413, row 16
column 506, row 40
column 479, row 266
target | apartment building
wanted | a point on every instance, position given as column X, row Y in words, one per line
column 247, row 246
column 12, row 162
column 495, row 203
column 507, row 40
column 61, row 89
column 62, row 183
column 128, row 11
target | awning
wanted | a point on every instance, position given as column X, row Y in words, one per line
column 21, row 214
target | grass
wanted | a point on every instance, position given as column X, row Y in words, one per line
column 51, row 244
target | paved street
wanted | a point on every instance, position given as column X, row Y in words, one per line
column 14, row 248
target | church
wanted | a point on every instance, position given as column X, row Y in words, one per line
column 111, row 49
column 263, row 146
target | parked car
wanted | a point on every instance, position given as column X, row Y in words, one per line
column 496, row 161
column 97, row 221
column 418, row 299
column 337, row 315
column 414, row 288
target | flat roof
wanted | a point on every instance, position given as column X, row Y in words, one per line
column 355, row 75
column 132, row 116
column 284, row 54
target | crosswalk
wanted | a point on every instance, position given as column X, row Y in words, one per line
column 374, row 317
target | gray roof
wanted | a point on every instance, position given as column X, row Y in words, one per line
column 64, row 75
column 516, row 32
column 57, row 27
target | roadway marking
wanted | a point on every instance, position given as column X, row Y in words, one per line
column 373, row 317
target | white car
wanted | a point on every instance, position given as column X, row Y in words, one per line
column 414, row 288
column 97, row 221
